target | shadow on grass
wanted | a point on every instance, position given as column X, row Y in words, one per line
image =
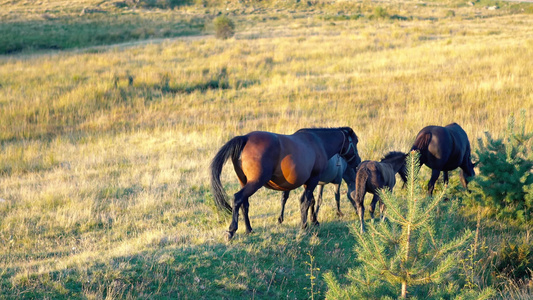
column 271, row 263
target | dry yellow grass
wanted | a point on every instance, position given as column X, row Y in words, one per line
column 95, row 169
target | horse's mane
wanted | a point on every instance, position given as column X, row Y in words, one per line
column 347, row 130
column 394, row 155
column 325, row 129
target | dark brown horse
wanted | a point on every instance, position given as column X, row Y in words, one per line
column 336, row 171
column 279, row 162
column 444, row 149
column 372, row 176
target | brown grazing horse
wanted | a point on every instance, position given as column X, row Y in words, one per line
column 372, row 176
column 336, row 171
column 279, row 162
column 444, row 149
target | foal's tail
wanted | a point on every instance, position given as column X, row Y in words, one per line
column 232, row 149
column 360, row 185
column 422, row 141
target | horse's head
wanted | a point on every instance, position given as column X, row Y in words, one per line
column 349, row 147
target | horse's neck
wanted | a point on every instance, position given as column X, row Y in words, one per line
column 332, row 140
column 394, row 164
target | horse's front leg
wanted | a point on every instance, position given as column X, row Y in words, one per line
column 338, row 199
column 320, row 189
column 284, row 197
column 313, row 211
column 431, row 185
column 351, row 194
column 464, row 179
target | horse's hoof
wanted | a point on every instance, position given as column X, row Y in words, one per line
column 280, row 220
column 340, row 214
column 316, row 223
column 228, row 235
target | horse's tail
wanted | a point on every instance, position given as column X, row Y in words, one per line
column 360, row 184
column 232, row 149
column 422, row 141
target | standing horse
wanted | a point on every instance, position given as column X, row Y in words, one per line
column 279, row 162
column 372, row 176
column 335, row 172
column 444, row 149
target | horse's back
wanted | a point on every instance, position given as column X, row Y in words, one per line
column 461, row 150
column 370, row 176
column 459, row 135
column 284, row 161
column 261, row 144
column 442, row 148
column 388, row 175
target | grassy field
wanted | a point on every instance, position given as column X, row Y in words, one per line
column 104, row 150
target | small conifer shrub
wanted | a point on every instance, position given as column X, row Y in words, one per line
column 224, row 27
column 380, row 13
column 505, row 179
column 411, row 253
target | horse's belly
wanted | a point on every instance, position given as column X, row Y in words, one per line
column 290, row 174
column 281, row 186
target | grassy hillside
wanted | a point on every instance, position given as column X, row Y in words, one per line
column 104, row 189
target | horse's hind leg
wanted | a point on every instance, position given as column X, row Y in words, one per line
column 445, row 177
column 284, row 197
column 375, row 200
column 239, row 199
column 244, row 207
column 381, row 210
column 307, row 200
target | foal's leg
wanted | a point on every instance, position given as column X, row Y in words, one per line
column 375, row 200
column 381, row 210
column 360, row 207
column 431, row 185
column 284, row 197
